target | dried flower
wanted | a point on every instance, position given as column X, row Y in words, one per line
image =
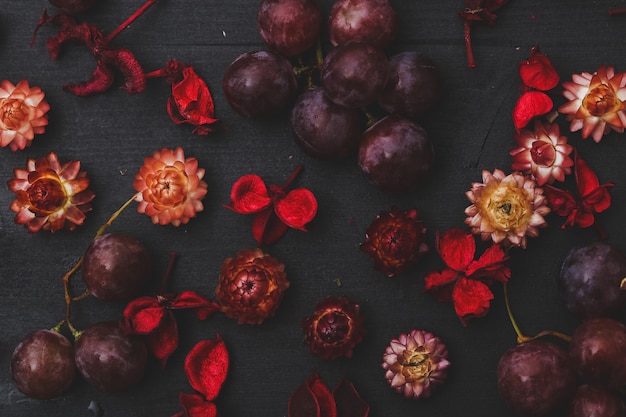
column 251, row 286
column 395, row 240
column 334, row 329
column 506, row 208
column 170, row 187
column 596, row 102
column 416, row 363
column 477, row 11
column 191, row 102
column 50, row 195
column 465, row 281
column 544, row 153
column 23, row 113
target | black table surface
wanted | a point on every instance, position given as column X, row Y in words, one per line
column 471, row 130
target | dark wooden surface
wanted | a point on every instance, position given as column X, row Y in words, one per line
column 471, row 130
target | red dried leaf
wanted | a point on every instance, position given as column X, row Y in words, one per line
column 267, row 228
column 297, row 209
column 163, row 341
column 436, row 279
column 530, row 104
column 143, row 315
column 349, row 402
column 324, row 397
column 491, row 264
column 196, row 406
column 202, row 307
column 100, row 81
column 537, row 72
column 249, row 195
column 471, row 298
column 456, row 248
column 206, row 366
column 303, row 403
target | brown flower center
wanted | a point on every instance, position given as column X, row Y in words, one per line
column 416, row 365
column 169, row 186
column 13, row 113
column 333, row 326
column 543, row 153
column 504, row 206
column 250, row 287
column 46, row 195
column 602, row 100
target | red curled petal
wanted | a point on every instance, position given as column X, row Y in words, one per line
column 196, row 406
column 303, row 403
column 202, row 307
column 206, row 366
column 297, row 209
column 267, row 228
column 100, row 81
column 529, row 105
column 249, row 195
column 435, row 279
column 143, row 315
column 538, row 72
column 471, row 298
column 457, row 248
column 561, row 202
column 125, row 61
column 349, row 402
column 491, row 264
column 325, row 399
column 164, row 340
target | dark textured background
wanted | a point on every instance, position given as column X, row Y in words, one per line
column 471, row 130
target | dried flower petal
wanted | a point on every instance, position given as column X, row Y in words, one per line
column 537, row 72
column 349, row 402
column 191, row 102
column 196, row 406
column 23, row 114
column 530, row 105
column 314, row 399
column 297, row 208
column 249, row 195
column 206, row 367
column 163, row 341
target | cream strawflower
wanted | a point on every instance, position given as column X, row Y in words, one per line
column 506, row 208
column 596, row 102
column 23, row 113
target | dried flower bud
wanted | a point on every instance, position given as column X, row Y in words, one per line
column 334, row 328
column 416, row 363
column 251, row 286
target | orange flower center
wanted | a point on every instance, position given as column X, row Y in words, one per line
column 601, row 100
column 169, row 186
column 13, row 113
column 46, row 195
column 505, row 207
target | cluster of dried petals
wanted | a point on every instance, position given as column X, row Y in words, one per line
column 251, row 286
column 191, row 102
column 170, row 187
column 334, row 328
column 50, row 195
column 23, row 113
column 395, row 240
column 506, row 208
column 416, row 363
column 543, row 152
column 596, row 102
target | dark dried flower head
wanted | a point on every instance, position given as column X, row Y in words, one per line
column 395, row 240
column 334, row 329
column 251, row 286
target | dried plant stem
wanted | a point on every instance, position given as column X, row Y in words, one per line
column 129, row 21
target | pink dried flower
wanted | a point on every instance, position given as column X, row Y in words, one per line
column 23, row 113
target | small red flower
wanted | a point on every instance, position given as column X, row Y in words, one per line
column 275, row 209
column 591, row 197
column 477, row 11
column 466, row 281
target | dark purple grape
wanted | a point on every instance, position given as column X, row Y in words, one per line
column 289, row 27
column 42, row 365
column 110, row 359
column 259, row 84
column 354, row 74
column 590, row 280
column 535, row 378
column 73, row 6
column 323, row 129
column 598, row 351
column 413, row 86
column 368, row 21
column 591, row 401
column 396, row 154
column 116, row 267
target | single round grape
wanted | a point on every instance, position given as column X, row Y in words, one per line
column 42, row 365
column 354, row 74
column 592, row 401
column 259, row 84
column 598, row 351
column 396, row 154
column 73, row 6
column 289, row 27
column 116, row 267
column 323, row 129
column 536, row 377
column 590, row 280
column 368, row 21
column 110, row 359
column 413, row 86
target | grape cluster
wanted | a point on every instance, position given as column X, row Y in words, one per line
column 538, row 376
column 45, row 363
column 356, row 77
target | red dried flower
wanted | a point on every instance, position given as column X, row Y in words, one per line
column 537, row 72
column 466, row 281
column 23, row 114
column 395, row 240
column 50, row 195
column 251, row 286
column 275, row 209
column 477, row 11
column 334, row 328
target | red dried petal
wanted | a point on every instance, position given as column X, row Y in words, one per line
column 297, row 209
column 206, row 366
column 599, row 199
column 143, row 315
column 267, row 228
column 125, row 61
column 196, row 406
column 201, row 306
column 249, row 195
column 491, row 264
column 471, row 298
column 303, row 403
column 457, row 248
column 193, row 99
column 100, row 81
column 562, row 202
column 349, row 402
column 436, row 279
column 538, row 72
column 529, row 105
column 163, row 341
column 324, row 397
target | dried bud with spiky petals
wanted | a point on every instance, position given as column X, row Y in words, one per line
column 251, row 286
column 334, row 329
column 170, row 187
column 506, row 208
column 416, row 363
column 23, row 113
column 50, row 195
column 395, row 240
column 596, row 102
